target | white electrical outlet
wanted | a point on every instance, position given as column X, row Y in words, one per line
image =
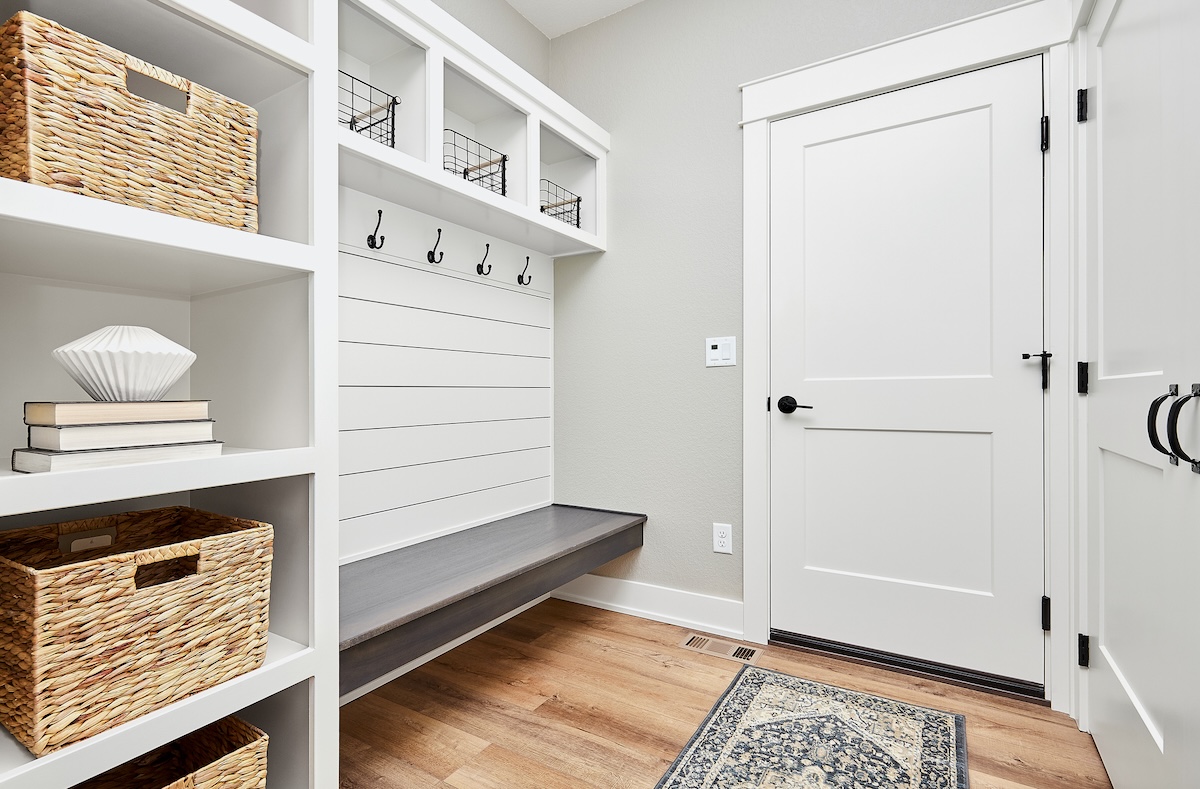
column 722, row 538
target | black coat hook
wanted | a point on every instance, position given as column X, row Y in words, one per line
column 479, row 266
column 430, row 256
column 372, row 242
column 521, row 278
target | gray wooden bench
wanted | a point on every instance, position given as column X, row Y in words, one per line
column 403, row 604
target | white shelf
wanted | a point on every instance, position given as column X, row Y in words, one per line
column 21, row 493
column 391, row 175
column 259, row 309
column 62, row 236
column 248, row 28
column 232, row 51
column 287, row 663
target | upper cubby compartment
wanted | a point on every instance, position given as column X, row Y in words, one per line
column 478, row 162
column 485, row 138
column 381, row 82
column 567, row 188
column 291, row 15
column 207, row 44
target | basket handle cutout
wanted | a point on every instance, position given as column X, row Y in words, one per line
column 75, row 542
column 155, row 85
column 166, row 571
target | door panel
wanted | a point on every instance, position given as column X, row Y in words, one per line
column 856, row 230
column 873, row 536
column 1128, row 64
column 1143, row 698
column 906, row 282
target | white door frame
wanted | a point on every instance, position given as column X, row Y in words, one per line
column 1031, row 27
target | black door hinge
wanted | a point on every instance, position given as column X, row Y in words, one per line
column 1045, row 613
column 1085, row 650
column 768, row 403
column 1081, row 107
column 1045, row 133
column 1081, row 377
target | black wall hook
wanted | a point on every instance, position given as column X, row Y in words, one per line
column 479, row 266
column 429, row 256
column 521, row 278
column 372, row 242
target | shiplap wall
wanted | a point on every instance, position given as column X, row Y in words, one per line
column 445, row 376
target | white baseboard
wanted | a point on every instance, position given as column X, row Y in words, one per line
column 428, row 656
column 716, row 615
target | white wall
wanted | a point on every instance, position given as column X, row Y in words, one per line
column 640, row 424
column 503, row 27
column 445, row 401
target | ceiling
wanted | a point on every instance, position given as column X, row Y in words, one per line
column 555, row 17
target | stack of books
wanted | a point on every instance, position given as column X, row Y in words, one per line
column 92, row 434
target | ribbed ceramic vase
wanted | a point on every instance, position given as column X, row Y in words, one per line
column 120, row 363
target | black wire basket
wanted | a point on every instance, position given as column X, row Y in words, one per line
column 475, row 162
column 367, row 110
column 560, row 203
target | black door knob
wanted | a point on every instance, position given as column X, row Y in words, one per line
column 787, row 404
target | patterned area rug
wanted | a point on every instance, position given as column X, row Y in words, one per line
column 774, row 731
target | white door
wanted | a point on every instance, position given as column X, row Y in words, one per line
column 1143, row 538
column 906, row 282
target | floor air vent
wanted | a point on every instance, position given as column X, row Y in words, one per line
column 719, row 648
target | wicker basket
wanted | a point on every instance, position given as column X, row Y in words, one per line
column 228, row 754
column 106, row 619
column 68, row 121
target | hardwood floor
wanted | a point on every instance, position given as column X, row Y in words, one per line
column 575, row 697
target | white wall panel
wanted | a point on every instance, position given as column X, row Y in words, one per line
column 379, row 491
column 446, row 407
column 379, row 279
column 373, row 534
column 375, row 322
column 373, row 450
column 409, row 236
column 387, row 365
column 367, row 407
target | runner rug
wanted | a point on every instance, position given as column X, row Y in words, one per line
column 775, row 731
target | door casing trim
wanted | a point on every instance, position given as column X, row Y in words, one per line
column 1034, row 27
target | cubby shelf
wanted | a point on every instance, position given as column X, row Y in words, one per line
column 369, row 167
column 38, row 492
column 287, row 663
column 209, row 41
column 246, row 27
column 62, row 236
column 251, row 306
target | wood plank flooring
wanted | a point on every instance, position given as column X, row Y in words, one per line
column 575, row 697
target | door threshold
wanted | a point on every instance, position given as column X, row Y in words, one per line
column 954, row 675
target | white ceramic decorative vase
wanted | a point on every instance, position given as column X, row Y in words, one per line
column 120, row 363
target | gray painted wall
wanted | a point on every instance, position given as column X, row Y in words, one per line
column 503, row 27
column 640, row 423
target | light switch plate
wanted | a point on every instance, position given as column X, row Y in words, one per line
column 720, row 352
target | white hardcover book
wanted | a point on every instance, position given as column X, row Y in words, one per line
column 31, row 461
column 136, row 434
column 97, row 413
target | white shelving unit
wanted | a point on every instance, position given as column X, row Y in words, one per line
column 464, row 83
column 260, row 311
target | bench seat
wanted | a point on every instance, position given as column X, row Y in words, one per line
column 400, row 605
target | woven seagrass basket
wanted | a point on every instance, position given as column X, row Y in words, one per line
column 106, row 619
column 69, row 121
column 228, row 754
